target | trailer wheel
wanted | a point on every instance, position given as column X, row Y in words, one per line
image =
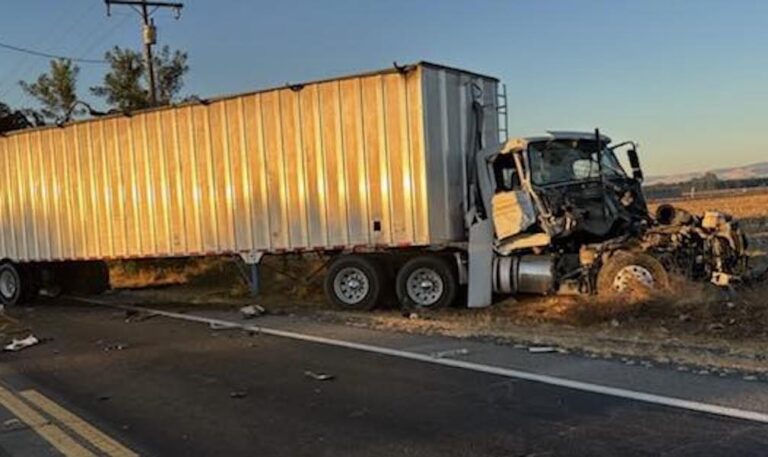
column 355, row 282
column 426, row 282
column 16, row 284
column 627, row 272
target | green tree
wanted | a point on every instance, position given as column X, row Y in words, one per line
column 170, row 68
column 122, row 86
column 125, row 86
column 56, row 91
column 709, row 181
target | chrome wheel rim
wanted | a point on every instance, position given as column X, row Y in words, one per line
column 633, row 274
column 425, row 287
column 8, row 284
column 351, row 285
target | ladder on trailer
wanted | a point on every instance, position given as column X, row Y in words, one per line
column 503, row 114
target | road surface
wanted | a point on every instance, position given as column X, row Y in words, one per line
column 161, row 386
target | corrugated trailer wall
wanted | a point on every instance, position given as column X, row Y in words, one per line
column 451, row 127
column 338, row 163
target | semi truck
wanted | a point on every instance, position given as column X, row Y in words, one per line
column 403, row 178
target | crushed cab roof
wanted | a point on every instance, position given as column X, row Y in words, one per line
column 552, row 135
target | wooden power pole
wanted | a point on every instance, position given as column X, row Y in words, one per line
column 149, row 32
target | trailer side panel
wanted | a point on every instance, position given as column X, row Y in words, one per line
column 337, row 164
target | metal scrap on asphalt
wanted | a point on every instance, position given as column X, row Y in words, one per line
column 319, row 376
column 450, row 353
column 251, row 311
column 541, row 349
column 19, row 344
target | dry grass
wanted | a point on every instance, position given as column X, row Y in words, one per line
column 208, row 280
column 746, row 206
column 697, row 324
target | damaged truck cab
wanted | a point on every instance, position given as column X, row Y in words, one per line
column 564, row 215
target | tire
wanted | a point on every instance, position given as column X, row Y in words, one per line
column 426, row 282
column 626, row 272
column 17, row 284
column 355, row 282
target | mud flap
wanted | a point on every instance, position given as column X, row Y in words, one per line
column 480, row 264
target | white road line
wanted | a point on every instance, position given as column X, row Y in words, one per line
column 478, row 367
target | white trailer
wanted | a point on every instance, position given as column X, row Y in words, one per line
column 359, row 163
column 398, row 175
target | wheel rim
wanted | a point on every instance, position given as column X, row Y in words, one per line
column 8, row 284
column 633, row 274
column 425, row 287
column 351, row 285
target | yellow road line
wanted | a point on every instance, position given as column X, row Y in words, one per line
column 51, row 433
column 87, row 431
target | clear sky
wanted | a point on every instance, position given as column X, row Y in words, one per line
column 687, row 79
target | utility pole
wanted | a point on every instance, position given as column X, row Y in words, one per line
column 149, row 32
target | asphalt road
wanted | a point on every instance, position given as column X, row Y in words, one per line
column 165, row 387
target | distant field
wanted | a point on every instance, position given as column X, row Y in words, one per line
column 741, row 205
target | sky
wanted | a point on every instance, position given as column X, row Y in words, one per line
column 688, row 79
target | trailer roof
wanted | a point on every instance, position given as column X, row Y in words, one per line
column 395, row 68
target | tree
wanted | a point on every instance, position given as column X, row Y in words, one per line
column 709, row 181
column 12, row 119
column 56, row 90
column 170, row 68
column 125, row 86
column 122, row 87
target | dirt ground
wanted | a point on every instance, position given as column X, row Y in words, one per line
column 696, row 324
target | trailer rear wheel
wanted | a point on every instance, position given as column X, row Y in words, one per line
column 355, row 282
column 627, row 272
column 17, row 285
column 426, row 282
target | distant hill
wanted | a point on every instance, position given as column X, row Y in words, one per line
column 755, row 170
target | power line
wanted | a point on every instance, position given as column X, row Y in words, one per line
column 50, row 56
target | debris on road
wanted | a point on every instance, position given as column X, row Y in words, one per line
column 450, row 353
column 115, row 347
column 251, row 311
column 223, row 326
column 12, row 423
column 238, row 394
column 541, row 349
column 19, row 344
column 138, row 316
column 319, row 376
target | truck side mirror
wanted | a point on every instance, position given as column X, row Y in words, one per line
column 634, row 161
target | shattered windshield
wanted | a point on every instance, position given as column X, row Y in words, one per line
column 555, row 162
